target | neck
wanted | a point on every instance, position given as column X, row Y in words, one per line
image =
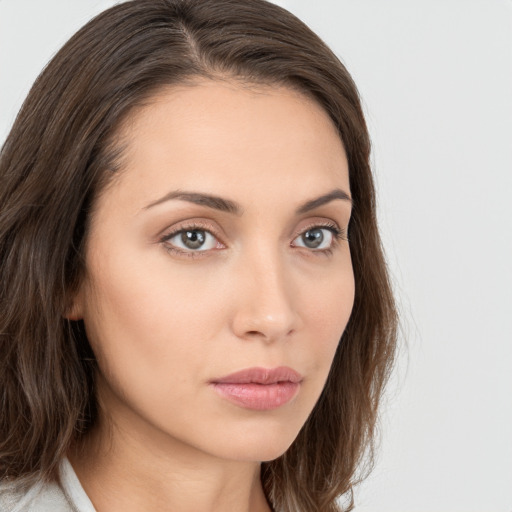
column 126, row 469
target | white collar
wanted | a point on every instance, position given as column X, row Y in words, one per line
column 73, row 488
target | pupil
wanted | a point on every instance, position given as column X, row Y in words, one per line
column 193, row 239
column 313, row 238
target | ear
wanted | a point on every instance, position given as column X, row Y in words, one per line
column 74, row 309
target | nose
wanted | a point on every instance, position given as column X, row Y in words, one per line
column 266, row 305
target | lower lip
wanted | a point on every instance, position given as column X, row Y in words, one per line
column 259, row 397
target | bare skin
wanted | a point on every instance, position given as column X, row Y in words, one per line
column 123, row 476
column 182, row 290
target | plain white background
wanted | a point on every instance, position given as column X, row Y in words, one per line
column 436, row 81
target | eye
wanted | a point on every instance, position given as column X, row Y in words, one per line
column 317, row 238
column 196, row 240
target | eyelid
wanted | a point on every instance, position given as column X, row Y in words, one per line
column 205, row 225
column 339, row 232
column 189, row 225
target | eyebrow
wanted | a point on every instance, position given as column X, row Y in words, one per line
column 228, row 206
column 337, row 193
column 211, row 201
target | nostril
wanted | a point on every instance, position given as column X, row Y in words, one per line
column 254, row 333
column 266, row 335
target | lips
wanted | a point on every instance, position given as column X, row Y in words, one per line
column 261, row 376
column 259, row 388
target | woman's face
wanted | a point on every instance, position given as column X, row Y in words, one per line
column 220, row 247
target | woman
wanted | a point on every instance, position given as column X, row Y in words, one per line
column 196, row 313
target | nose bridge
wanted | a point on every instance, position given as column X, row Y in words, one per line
column 266, row 306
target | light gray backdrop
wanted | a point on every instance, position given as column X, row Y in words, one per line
column 436, row 81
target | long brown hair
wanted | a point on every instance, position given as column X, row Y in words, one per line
column 62, row 150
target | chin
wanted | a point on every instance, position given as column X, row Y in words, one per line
column 261, row 444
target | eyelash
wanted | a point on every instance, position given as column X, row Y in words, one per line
column 197, row 226
column 338, row 234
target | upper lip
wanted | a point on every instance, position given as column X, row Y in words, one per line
column 259, row 375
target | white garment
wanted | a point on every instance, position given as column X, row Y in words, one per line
column 67, row 495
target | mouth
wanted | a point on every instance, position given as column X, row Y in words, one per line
column 259, row 389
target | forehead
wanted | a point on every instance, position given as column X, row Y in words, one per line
column 226, row 133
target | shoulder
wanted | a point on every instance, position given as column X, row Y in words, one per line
column 38, row 497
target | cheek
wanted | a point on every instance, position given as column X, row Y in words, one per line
column 331, row 298
column 143, row 338
column 148, row 316
column 327, row 306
